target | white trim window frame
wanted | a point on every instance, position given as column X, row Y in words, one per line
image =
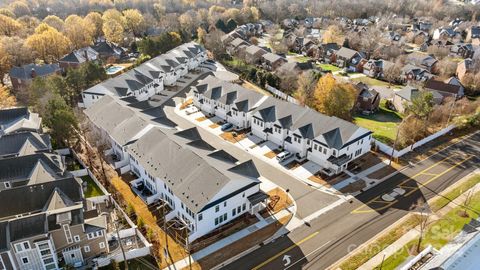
column 68, row 234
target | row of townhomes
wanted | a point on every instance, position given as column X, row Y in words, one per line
column 151, row 77
column 328, row 141
column 201, row 187
column 46, row 219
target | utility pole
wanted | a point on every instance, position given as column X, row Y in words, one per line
column 188, row 250
column 165, row 230
column 120, row 241
column 451, row 110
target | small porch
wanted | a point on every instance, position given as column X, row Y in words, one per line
column 143, row 192
column 258, row 202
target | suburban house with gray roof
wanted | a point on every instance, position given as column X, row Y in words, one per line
column 328, row 141
column 22, row 77
column 405, row 96
column 204, row 188
column 253, row 54
column 50, row 222
column 422, row 60
column 271, row 61
column 348, row 58
column 150, row 77
column 24, row 143
column 78, row 57
column 15, row 120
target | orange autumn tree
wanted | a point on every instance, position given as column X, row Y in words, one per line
column 333, row 98
column 7, row 100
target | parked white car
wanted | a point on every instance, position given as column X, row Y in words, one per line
column 390, row 197
column 284, row 156
column 191, row 110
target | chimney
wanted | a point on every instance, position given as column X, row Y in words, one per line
column 33, row 73
column 85, row 52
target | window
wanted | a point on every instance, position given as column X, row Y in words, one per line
column 239, row 208
column 334, row 152
column 225, row 216
column 324, row 151
column 76, row 238
column 234, row 212
column 244, row 206
column 217, row 208
column 7, row 184
column 315, row 147
column 68, row 234
column 200, row 217
column 225, row 204
column 26, row 245
column 216, row 221
column 101, row 244
column 24, row 260
column 86, row 248
column 243, row 195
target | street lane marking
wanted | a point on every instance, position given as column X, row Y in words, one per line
column 285, row 251
column 413, row 189
column 308, row 254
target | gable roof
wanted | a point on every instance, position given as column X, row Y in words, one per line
column 80, row 56
column 346, row 53
column 18, row 119
column 442, row 87
column 421, row 59
column 194, row 176
column 31, row 169
column 34, row 198
column 24, row 143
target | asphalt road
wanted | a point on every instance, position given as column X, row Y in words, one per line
column 333, row 235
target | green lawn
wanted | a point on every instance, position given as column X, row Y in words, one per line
column 377, row 246
column 92, row 188
column 329, row 67
column 302, row 59
column 438, row 234
column 383, row 123
column 454, row 193
column 374, row 82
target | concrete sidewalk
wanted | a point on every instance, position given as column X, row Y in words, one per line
column 414, row 233
column 229, row 240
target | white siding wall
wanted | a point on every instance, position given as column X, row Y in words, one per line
column 257, row 128
column 207, row 224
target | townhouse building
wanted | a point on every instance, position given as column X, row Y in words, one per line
column 150, row 77
column 204, row 188
column 50, row 225
column 328, row 141
column 24, row 143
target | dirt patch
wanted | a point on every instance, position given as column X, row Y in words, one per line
column 382, row 172
column 214, row 125
column 272, row 154
column 364, row 162
column 186, row 104
column 224, row 231
column 233, row 136
column 278, row 201
column 295, row 164
column 353, row 187
column 243, row 244
column 201, row 119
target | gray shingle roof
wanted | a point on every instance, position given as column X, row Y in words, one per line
column 194, row 177
column 346, row 52
column 80, row 56
column 25, row 72
column 34, row 198
column 24, row 143
column 310, row 123
column 31, row 169
column 121, row 123
column 18, row 119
